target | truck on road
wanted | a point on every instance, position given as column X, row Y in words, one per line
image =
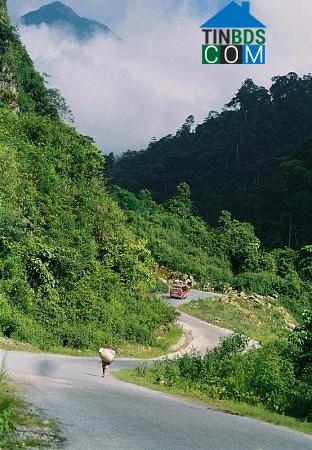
column 179, row 290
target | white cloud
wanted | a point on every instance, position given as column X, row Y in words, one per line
column 124, row 93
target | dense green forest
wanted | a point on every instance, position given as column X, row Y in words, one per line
column 252, row 159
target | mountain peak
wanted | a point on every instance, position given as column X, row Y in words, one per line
column 57, row 14
column 53, row 12
column 56, row 5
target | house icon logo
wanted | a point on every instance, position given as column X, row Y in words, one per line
column 234, row 36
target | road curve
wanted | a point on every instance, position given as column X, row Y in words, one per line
column 203, row 335
column 108, row 414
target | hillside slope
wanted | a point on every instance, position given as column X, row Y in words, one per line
column 71, row 272
column 77, row 264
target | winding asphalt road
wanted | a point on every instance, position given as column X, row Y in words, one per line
column 204, row 335
column 108, row 414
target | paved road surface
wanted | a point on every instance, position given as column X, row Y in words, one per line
column 193, row 295
column 97, row 414
column 108, row 414
column 204, row 335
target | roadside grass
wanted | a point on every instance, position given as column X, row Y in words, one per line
column 9, row 404
column 145, row 379
column 261, row 320
column 11, row 344
column 168, row 339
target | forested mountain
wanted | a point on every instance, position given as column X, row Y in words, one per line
column 56, row 14
column 254, row 159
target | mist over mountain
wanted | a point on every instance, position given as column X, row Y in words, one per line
column 58, row 15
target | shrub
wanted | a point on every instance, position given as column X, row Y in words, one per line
column 305, row 263
column 238, row 241
column 286, row 259
column 259, row 377
column 268, row 377
column 266, row 283
column 160, row 288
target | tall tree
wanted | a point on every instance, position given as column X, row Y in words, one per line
column 181, row 203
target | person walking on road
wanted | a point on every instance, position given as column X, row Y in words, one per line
column 107, row 356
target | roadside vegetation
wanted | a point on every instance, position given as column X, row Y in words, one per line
column 277, row 377
column 169, row 340
column 259, row 317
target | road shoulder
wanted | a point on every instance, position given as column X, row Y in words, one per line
column 226, row 406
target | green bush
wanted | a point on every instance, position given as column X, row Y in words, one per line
column 266, row 283
column 305, row 263
column 259, row 377
column 297, row 304
column 237, row 240
column 286, row 260
column 7, row 423
column 160, row 288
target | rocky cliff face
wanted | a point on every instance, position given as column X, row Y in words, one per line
column 21, row 86
column 8, row 83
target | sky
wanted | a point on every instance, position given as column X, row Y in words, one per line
column 124, row 93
